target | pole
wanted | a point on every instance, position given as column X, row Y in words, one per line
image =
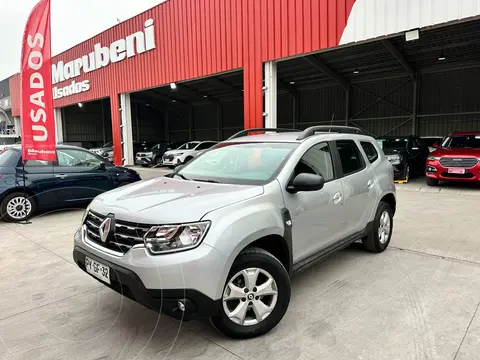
column 26, row 222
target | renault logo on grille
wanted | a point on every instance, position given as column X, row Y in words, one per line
column 106, row 228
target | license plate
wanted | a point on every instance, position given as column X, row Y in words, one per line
column 456, row 171
column 139, row 158
column 97, row 269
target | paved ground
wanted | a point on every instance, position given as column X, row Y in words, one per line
column 417, row 300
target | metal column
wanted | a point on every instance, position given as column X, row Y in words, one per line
column 415, row 107
column 126, row 126
column 347, row 105
column 18, row 125
column 58, row 124
column 270, row 94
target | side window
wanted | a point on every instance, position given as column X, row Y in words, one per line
column 204, row 146
column 73, row 157
column 317, row 160
column 370, row 150
column 36, row 163
column 350, row 157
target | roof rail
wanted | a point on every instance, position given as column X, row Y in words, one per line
column 327, row 128
column 248, row 131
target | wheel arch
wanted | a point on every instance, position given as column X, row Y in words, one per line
column 18, row 189
column 390, row 200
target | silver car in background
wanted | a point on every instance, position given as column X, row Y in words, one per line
column 222, row 236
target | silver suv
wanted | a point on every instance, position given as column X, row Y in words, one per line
column 222, row 236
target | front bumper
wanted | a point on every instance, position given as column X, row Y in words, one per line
column 195, row 277
column 127, row 283
column 172, row 162
column 435, row 170
column 143, row 161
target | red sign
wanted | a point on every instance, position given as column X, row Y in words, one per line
column 37, row 114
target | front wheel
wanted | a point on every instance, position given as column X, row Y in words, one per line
column 256, row 296
column 188, row 159
column 17, row 207
column 381, row 233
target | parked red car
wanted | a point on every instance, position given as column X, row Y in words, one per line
column 457, row 158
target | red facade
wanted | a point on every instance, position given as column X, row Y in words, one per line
column 196, row 38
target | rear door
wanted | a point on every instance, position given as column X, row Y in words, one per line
column 358, row 180
column 80, row 175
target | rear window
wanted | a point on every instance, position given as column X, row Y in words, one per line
column 7, row 157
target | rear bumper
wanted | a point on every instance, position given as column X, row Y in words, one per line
column 128, row 283
column 435, row 170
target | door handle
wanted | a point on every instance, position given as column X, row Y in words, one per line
column 370, row 184
column 337, row 198
column 61, row 176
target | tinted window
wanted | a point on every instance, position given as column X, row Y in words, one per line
column 7, row 155
column 73, row 157
column 317, row 160
column 350, row 157
column 393, row 143
column 206, row 145
column 37, row 163
column 370, row 150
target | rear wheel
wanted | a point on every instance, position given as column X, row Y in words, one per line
column 381, row 233
column 256, row 295
column 17, row 207
column 432, row 182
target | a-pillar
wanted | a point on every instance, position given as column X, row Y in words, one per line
column 58, row 125
column 270, row 94
column 127, row 130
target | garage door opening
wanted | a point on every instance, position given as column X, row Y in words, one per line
column 88, row 125
column 426, row 87
column 204, row 109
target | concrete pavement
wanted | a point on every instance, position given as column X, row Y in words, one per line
column 417, row 300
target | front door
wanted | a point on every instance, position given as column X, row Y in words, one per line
column 80, row 175
column 40, row 180
column 358, row 181
column 317, row 217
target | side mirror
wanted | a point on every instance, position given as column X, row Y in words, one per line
column 102, row 167
column 435, row 145
column 306, row 182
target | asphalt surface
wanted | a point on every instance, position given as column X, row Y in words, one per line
column 417, row 300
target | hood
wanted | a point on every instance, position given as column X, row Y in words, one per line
column 174, row 152
column 102, row 148
column 468, row 152
column 395, row 151
column 170, row 201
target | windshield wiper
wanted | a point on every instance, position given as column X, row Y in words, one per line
column 177, row 174
column 207, row 181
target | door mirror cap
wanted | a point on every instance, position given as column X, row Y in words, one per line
column 435, row 145
column 306, row 182
column 102, row 166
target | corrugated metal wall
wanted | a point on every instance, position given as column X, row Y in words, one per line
column 448, row 101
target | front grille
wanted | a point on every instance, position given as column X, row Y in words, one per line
column 126, row 235
column 452, row 162
column 168, row 157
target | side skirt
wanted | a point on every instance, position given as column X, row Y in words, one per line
column 322, row 254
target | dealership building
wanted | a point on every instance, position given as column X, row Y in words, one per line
column 205, row 69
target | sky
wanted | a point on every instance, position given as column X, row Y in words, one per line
column 73, row 21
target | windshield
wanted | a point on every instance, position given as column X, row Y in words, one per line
column 239, row 163
column 393, row 143
column 188, row 146
column 463, row 141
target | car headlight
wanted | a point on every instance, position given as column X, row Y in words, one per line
column 171, row 238
column 395, row 159
column 433, row 158
column 179, row 154
column 149, row 154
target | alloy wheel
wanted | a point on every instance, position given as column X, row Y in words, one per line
column 384, row 228
column 19, row 208
column 250, row 296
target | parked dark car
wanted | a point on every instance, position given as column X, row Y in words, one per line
column 74, row 179
column 432, row 141
column 408, row 155
column 153, row 156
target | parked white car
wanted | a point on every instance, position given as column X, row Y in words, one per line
column 186, row 152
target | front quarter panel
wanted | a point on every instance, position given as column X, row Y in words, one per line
column 237, row 226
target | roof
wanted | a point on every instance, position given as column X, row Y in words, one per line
column 292, row 137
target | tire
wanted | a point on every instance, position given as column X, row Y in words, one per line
column 374, row 242
column 407, row 172
column 432, row 182
column 10, row 200
column 266, row 264
column 188, row 159
column 158, row 161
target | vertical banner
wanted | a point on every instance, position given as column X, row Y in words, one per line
column 37, row 113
